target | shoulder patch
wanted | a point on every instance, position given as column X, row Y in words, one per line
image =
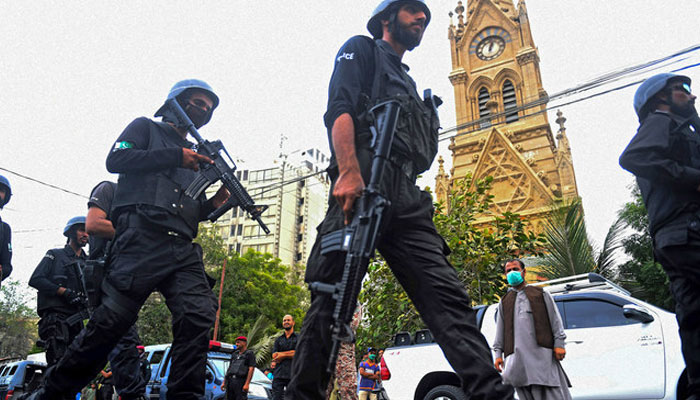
column 50, row 256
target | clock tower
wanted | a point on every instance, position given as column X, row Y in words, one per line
column 503, row 129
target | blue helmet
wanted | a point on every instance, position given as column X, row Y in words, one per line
column 374, row 25
column 8, row 190
column 649, row 88
column 71, row 222
column 186, row 85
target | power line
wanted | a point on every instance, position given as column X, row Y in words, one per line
column 43, row 183
column 591, row 84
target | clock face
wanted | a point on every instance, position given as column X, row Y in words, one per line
column 490, row 48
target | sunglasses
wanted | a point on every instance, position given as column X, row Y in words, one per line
column 684, row 87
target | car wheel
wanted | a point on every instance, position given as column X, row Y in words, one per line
column 445, row 392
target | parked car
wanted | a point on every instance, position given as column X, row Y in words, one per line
column 218, row 360
column 20, row 377
column 618, row 347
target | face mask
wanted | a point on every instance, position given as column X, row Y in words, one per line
column 372, row 356
column 515, row 278
column 197, row 115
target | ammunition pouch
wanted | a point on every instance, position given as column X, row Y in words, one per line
column 94, row 274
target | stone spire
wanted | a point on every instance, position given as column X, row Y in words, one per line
column 442, row 182
column 562, row 140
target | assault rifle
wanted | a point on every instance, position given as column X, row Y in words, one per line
column 85, row 309
column 359, row 239
column 220, row 170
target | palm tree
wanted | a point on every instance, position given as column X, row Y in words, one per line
column 569, row 251
column 260, row 342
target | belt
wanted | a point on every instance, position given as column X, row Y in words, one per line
column 137, row 221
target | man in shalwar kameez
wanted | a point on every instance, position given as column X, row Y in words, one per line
column 530, row 336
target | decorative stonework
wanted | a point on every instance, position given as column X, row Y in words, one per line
column 529, row 57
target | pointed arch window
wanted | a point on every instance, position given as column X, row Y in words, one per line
column 484, row 112
column 510, row 102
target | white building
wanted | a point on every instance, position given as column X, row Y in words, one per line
column 297, row 204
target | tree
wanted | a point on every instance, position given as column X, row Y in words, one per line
column 568, row 250
column 17, row 321
column 155, row 321
column 477, row 254
column 255, row 284
column 641, row 275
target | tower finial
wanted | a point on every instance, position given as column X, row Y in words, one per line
column 560, row 120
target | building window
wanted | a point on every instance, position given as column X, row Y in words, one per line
column 300, row 219
column 300, row 237
column 238, row 248
column 301, row 201
column 299, row 256
column 484, row 112
column 240, row 230
column 245, row 174
column 510, row 103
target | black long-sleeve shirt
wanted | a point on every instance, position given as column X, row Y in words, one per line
column 5, row 249
column 666, row 162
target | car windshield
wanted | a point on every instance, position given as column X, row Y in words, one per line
column 221, row 365
column 258, row 376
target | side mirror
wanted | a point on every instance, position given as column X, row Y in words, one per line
column 636, row 312
column 209, row 376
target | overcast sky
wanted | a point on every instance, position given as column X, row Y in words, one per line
column 73, row 74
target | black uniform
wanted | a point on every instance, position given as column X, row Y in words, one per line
column 664, row 155
column 283, row 369
column 365, row 72
column 128, row 380
column 237, row 374
column 60, row 321
column 5, row 249
column 152, row 249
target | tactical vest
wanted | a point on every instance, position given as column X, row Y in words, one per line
column 543, row 327
column 416, row 136
column 62, row 273
column 163, row 190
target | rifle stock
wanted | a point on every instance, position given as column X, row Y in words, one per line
column 220, row 170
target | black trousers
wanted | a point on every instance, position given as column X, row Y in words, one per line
column 279, row 388
column 57, row 334
column 143, row 260
column 234, row 389
column 682, row 264
column 415, row 253
column 126, row 366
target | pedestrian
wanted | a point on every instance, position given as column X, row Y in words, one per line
column 155, row 223
column 240, row 371
column 144, row 363
column 5, row 232
column 124, row 358
column 530, row 336
column 369, row 376
column 664, row 156
column 88, row 393
column 60, row 301
column 105, row 386
column 343, row 383
column 283, row 352
column 366, row 73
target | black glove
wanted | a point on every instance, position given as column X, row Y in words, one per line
column 72, row 297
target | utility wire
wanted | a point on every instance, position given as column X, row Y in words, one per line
column 43, row 183
column 534, row 104
column 591, row 84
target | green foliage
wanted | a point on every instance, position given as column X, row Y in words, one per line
column 17, row 321
column 155, row 321
column 477, row 254
column 568, row 250
column 643, row 277
column 255, row 285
